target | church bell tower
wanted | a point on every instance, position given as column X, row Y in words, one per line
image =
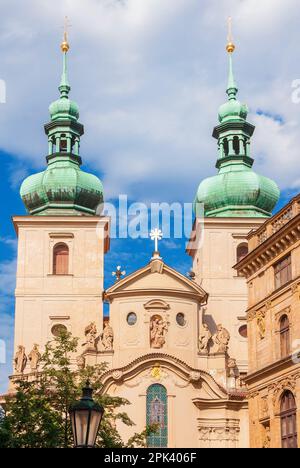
column 228, row 206
column 61, row 241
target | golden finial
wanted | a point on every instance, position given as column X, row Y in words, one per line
column 230, row 45
column 65, row 46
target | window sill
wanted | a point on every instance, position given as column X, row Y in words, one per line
column 60, row 276
column 283, row 286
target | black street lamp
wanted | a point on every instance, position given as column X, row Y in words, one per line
column 86, row 417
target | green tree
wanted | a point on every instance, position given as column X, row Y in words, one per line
column 37, row 415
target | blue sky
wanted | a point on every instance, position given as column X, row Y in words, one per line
column 149, row 76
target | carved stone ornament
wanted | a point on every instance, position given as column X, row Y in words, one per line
column 205, row 339
column 156, row 372
column 34, row 358
column 158, row 330
column 117, row 375
column 195, row 377
column 261, row 324
column 251, row 315
column 264, row 407
column 222, row 339
column 253, row 395
column 91, row 337
column 267, row 438
column 286, row 384
column 81, row 362
column 107, row 337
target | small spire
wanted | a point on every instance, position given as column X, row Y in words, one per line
column 64, row 86
column 232, row 88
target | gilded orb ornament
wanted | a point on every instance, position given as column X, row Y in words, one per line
column 230, row 45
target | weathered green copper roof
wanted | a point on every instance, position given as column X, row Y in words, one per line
column 63, row 188
column 64, row 108
column 233, row 109
column 237, row 191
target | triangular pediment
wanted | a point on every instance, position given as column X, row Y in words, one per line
column 159, row 277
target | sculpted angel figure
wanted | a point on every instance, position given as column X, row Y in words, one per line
column 204, row 339
column 222, row 339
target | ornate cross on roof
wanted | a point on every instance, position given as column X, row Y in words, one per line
column 118, row 273
column 156, row 235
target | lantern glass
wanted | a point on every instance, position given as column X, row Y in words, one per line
column 81, row 420
column 95, row 422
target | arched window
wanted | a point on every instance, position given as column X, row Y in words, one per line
column 226, row 147
column 288, row 416
column 157, row 414
column 63, row 144
column 284, row 336
column 61, row 259
column 236, row 145
column 242, row 252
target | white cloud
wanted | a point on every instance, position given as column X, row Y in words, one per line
column 7, row 277
column 149, row 77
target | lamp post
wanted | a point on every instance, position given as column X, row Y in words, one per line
column 86, row 416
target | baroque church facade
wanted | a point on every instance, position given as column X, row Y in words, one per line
column 176, row 347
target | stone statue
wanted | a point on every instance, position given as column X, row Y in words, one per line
column 34, row 358
column 231, row 364
column 267, row 441
column 222, row 339
column 20, row 360
column 91, row 337
column 107, row 337
column 204, row 339
column 261, row 325
column 158, row 330
column 81, row 362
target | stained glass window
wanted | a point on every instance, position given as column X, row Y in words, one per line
column 157, row 413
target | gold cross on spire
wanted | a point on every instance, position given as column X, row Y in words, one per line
column 65, row 46
column 230, row 45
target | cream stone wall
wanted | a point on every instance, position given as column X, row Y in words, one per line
column 180, row 341
column 43, row 299
column 197, row 385
column 213, row 260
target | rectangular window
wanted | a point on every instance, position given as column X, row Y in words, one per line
column 283, row 272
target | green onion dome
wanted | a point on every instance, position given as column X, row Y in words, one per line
column 238, row 192
column 62, row 189
column 63, row 109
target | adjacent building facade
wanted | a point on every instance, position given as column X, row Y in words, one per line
column 272, row 270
